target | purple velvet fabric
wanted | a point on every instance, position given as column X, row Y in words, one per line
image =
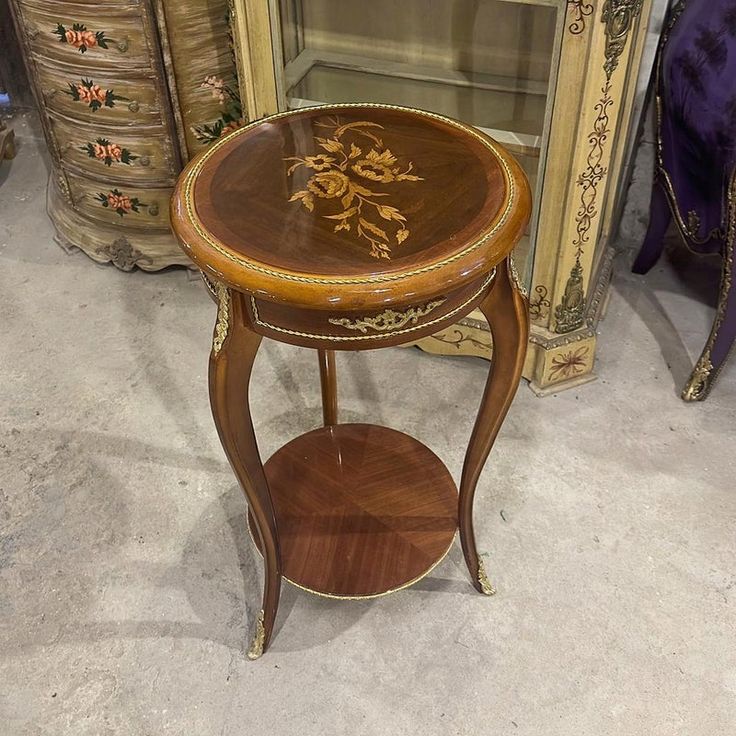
column 698, row 113
column 696, row 87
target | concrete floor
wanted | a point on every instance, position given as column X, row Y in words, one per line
column 128, row 586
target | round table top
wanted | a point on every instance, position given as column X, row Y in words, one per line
column 350, row 204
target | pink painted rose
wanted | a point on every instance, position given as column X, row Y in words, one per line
column 119, row 202
column 114, row 151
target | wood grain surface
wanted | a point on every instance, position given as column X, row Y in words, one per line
column 360, row 510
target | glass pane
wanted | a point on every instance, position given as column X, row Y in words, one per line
column 485, row 62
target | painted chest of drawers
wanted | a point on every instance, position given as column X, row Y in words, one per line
column 128, row 91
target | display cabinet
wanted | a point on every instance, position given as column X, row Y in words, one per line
column 552, row 80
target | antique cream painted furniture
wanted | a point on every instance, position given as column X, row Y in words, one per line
column 128, row 90
column 352, row 227
column 553, row 80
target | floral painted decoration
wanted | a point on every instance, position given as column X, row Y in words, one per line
column 231, row 117
column 80, row 38
column 107, row 152
column 569, row 364
column 121, row 203
column 344, row 172
column 92, row 94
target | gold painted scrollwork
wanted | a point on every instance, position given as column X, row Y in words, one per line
column 618, row 17
column 579, row 10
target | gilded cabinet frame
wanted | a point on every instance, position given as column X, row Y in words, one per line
column 597, row 68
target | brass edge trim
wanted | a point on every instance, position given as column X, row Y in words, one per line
column 256, row 647
column 253, row 266
column 348, row 338
column 333, row 596
column 703, row 377
column 515, row 278
column 485, row 583
column 223, row 317
column 387, row 320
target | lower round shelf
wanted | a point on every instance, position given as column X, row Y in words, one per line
column 361, row 510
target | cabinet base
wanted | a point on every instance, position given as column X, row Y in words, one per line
column 361, row 510
column 124, row 247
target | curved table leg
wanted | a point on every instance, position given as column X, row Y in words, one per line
column 234, row 349
column 507, row 312
column 328, row 381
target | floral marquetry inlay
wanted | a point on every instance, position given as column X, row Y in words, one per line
column 354, row 162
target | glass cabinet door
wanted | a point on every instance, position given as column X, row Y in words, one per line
column 489, row 63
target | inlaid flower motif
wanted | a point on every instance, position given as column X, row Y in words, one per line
column 344, row 176
column 119, row 202
column 569, row 364
column 319, row 162
column 107, row 152
column 80, row 37
column 92, row 94
column 328, row 184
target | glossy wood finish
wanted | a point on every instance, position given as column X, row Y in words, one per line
column 507, row 312
column 440, row 204
column 328, row 382
column 229, row 379
column 354, row 510
column 361, row 510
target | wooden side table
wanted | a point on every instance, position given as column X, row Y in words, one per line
column 350, row 227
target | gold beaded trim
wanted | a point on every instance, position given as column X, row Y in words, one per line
column 333, row 596
column 348, row 338
column 209, row 239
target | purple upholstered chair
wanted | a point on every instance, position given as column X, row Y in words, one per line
column 695, row 174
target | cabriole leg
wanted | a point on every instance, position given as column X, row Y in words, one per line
column 507, row 312
column 234, row 350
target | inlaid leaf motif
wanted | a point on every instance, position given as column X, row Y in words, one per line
column 349, row 173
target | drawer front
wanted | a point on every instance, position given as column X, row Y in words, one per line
column 120, row 205
column 127, row 156
column 100, row 97
column 363, row 329
column 87, row 37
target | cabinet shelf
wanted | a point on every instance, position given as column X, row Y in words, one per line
column 510, row 110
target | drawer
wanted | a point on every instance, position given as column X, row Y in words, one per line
column 82, row 35
column 136, row 207
column 127, row 156
column 105, row 97
column 357, row 330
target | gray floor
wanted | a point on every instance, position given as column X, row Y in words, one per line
column 128, row 586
